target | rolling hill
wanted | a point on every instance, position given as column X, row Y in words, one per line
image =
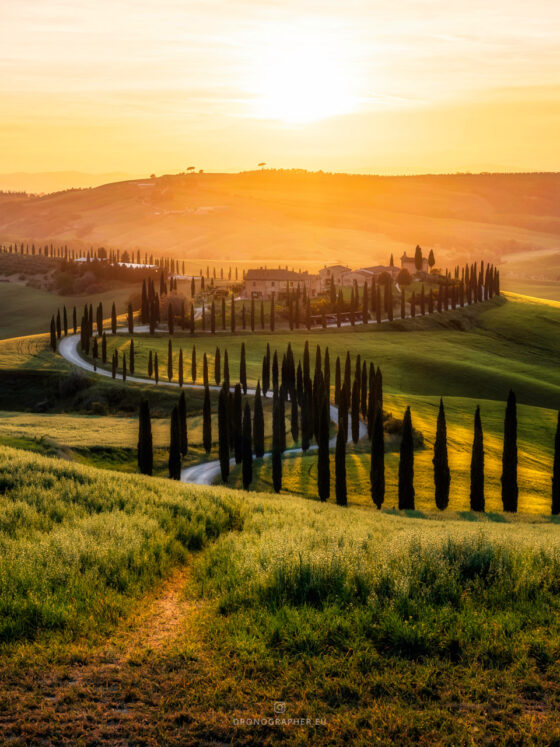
column 308, row 219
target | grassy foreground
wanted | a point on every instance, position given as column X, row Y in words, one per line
column 383, row 627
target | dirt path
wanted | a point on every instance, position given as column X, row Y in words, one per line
column 117, row 693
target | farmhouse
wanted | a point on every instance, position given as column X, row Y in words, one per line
column 262, row 282
column 408, row 263
column 332, row 275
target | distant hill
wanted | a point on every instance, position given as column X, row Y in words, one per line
column 306, row 218
column 54, row 181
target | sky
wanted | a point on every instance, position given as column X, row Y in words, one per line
column 368, row 86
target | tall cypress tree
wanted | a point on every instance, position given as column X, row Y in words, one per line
column 65, row 321
column 266, row 374
column 258, row 423
column 131, row 358
column 323, row 462
column 74, row 320
column 207, row 422
column 442, row 475
column 406, row 465
column 130, row 317
column 340, row 468
column 156, row 368
column 53, row 335
column 104, row 348
column 124, row 367
column 193, row 363
column 205, row 378
column 223, row 434
column 275, row 373
column 355, row 412
column 182, row 410
column 217, row 367
column 477, row 465
column 337, row 381
column 243, row 369
column 277, row 427
column 145, row 447
column 175, row 447
column 237, row 422
column 556, row 471
column 377, row 467
column 226, row 369
column 180, row 373
column 247, row 448
column 113, row 319
column 169, row 360
column 509, row 457
column 295, row 419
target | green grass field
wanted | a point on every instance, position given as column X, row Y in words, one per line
column 382, row 626
column 28, row 311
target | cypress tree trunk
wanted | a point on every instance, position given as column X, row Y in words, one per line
column 377, row 470
column 237, row 424
column 265, row 374
column 243, row 369
column 150, row 364
column 124, row 367
column 113, row 319
column 323, row 462
column 156, row 368
column 509, row 457
column 193, row 363
column 175, row 447
column 556, row 471
column 74, row 320
column 130, row 320
column 442, row 475
column 276, row 446
column 145, row 447
column 258, row 423
column 217, row 367
column 205, row 378
column 340, row 468
column 355, row 412
column 477, row 465
column 406, row 465
column 182, row 409
column 223, row 434
column 247, row 448
column 207, row 422
column 169, row 360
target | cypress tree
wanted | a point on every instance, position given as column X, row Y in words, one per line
column 130, row 320
column 377, row 468
column 113, row 319
column 180, row 373
column 223, row 434
column 275, row 373
column 169, row 360
column 193, row 363
column 265, row 374
column 145, row 447
column 237, row 422
column 337, row 381
column 175, row 447
column 74, row 320
column 295, row 419
column 323, row 462
column 477, row 465
column 104, row 348
column 379, row 388
column 207, row 422
column 217, row 367
column 347, row 377
column 156, row 368
column 131, row 358
column 247, row 448
column 226, row 369
column 277, row 426
column 343, row 412
column 114, row 364
column 53, row 335
column 282, row 422
column 182, row 409
column 258, row 423
column 327, row 373
column 556, row 471
column 509, row 457
column 340, row 468
column 150, row 364
column 299, row 384
column 94, row 353
column 406, row 465
column 124, row 367
column 65, row 321
column 243, row 369
column 205, row 378
column 355, row 412
column 442, row 475
column 372, row 401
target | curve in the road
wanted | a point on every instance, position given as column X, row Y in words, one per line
column 199, row 474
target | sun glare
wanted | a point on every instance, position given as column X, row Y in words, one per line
column 303, row 78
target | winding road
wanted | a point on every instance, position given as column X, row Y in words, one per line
column 205, row 473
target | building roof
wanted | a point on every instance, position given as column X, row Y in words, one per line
column 335, row 267
column 265, row 274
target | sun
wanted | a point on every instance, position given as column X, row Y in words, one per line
column 303, row 77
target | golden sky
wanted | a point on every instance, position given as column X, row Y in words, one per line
column 382, row 86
